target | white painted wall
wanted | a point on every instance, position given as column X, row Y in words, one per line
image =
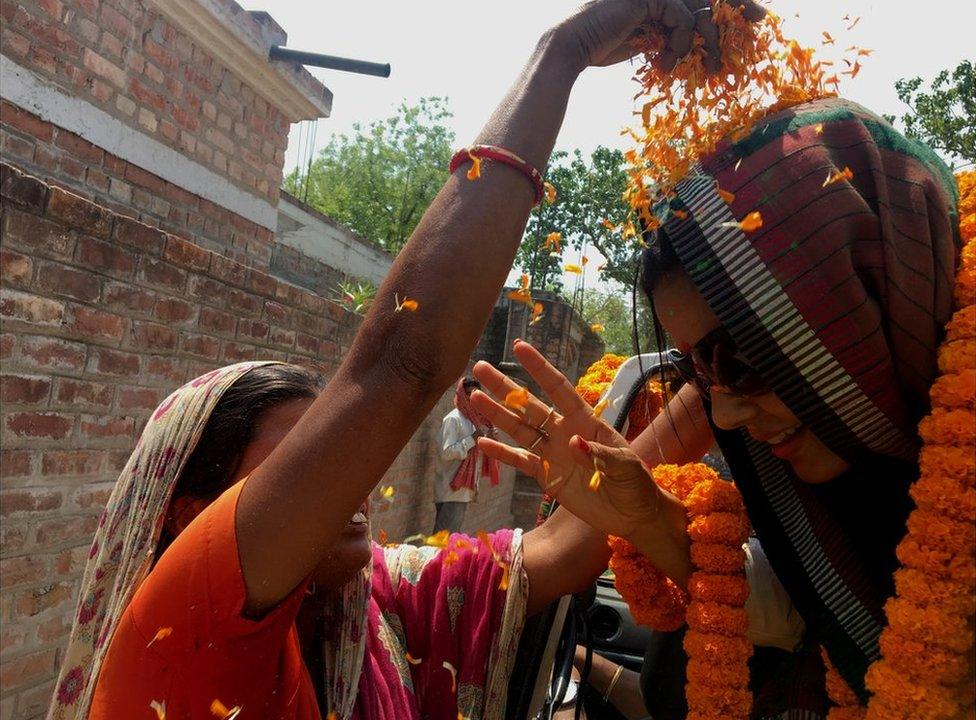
column 327, row 241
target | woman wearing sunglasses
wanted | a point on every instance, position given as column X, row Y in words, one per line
column 810, row 346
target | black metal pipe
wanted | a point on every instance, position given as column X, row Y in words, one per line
column 329, row 61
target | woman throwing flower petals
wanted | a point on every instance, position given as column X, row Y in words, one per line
column 232, row 575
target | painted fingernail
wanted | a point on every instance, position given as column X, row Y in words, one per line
column 584, row 446
column 516, row 341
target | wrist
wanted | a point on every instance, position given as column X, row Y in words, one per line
column 663, row 539
column 562, row 52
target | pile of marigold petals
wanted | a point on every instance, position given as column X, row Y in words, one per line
column 688, row 110
column 925, row 672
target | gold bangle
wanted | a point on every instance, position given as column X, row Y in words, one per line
column 613, row 683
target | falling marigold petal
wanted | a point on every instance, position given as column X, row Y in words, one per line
column 387, row 492
column 159, row 708
column 680, row 214
column 597, row 327
column 438, row 539
column 450, row 668
column 550, row 192
column 725, row 195
column 601, row 407
column 383, row 538
column 474, row 172
column 595, row 479
column 219, row 710
column 517, row 399
column 575, row 269
column 161, row 634
column 845, row 174
column 751, row 222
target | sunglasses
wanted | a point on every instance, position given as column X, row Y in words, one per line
column 715, row 363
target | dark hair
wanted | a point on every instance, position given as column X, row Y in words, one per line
column 657, row 258
column 229, row 429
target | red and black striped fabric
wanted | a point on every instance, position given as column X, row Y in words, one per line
column 839, row 301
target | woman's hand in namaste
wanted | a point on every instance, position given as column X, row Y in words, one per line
column 601, row 32
column 562, row 446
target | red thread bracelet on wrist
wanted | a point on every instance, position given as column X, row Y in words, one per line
column 505, row 157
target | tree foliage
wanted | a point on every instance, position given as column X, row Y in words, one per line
column 945, row 116
column 613, row 309
column 380, row 179
column 588, row 205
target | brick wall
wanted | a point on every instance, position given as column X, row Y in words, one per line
column 64, row 158
column 123, row 57
column 100, row 318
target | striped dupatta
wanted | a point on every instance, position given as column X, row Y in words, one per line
column 839, row 301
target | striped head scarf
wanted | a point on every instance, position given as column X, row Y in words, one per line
column 126, row 540
column 839, row 302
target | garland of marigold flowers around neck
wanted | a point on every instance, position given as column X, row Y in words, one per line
column 925, row 670
column 714, row 606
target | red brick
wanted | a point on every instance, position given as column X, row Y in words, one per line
column 153, row 336
column 253, row 329
column 39, row 425
column 204, row 346
column 29, row 500
column 208, row 290
column 138, row 398
column 57, row 279
column 186, row 254
column 108, row 426
column 27, row 122
column 173, row 310
column 71, row 462
column 73, row 169
column 27, row 670
column 244, row 303
column 307, row 343
column 79, row 147
column 15, row 305
column 79, row 213
column 261, row 283
column 93, row 497
column 55, row 628
column 17, row 148
column 282, row 337
column 15, row 269
column 40, row 236
column 163, row 275
column 120, row 296
column 95, row 324
column 14, row 463
column 21, row 188
column 105, row 257
column 98, row 180
column 276, row 312
column 133, row 233
column 113, row 362
column 146, row 96
column 53, row 353
column 34, row 602
column 237, row 352
column 168, row 370
column 227, row 270
column 145, row 179
column 24, row 389
column 82, row 393
column 217, row 320
column 288, row 294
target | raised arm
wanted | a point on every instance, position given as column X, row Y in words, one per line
column 296, row 503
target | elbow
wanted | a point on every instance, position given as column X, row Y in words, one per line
column 420, row 366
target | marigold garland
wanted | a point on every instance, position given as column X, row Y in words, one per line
column 924, row 672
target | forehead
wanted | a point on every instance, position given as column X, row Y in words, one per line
column 682, row 310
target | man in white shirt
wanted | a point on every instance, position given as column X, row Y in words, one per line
column 462, row 464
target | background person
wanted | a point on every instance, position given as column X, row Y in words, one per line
column 462, row 463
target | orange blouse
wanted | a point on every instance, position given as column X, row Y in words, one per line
column 183, row 643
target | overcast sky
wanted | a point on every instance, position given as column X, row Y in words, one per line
column 471, row 51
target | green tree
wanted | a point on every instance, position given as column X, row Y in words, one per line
column 380, row 180
column 613, row 309
column 945, row 116
column 588, row 208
